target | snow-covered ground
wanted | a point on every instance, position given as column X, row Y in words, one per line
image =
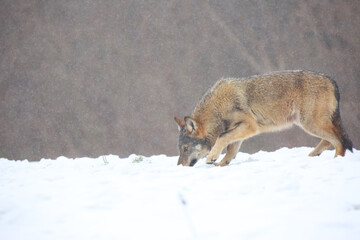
column 267, row 195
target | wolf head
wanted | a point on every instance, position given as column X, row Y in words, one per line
column 192, row 145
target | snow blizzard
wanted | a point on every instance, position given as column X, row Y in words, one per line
column 267, row 195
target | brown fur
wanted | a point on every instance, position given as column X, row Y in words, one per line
column 236, row 109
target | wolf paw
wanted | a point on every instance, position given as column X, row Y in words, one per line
column 211, row 158
column 210, row 161
column 314, row 153
column 221, row 164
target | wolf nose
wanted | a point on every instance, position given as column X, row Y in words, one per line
column 192, row 163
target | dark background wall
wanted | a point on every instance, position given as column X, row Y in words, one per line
column 86, row 78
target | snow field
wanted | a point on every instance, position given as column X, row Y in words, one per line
column 267, row 195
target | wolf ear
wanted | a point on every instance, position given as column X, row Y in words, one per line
column 191, row 125
column 180, row 123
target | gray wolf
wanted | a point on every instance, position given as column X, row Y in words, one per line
column 236, row 109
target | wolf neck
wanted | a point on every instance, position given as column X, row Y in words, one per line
column 209, row 110
column 210, row 126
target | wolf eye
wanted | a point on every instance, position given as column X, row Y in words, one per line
column 186, row 149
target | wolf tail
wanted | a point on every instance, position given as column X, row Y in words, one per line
column 346, row 142
column 336, row 120
column 341, row 133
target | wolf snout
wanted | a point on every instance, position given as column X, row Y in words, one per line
column 180, row 161
column 185, row 162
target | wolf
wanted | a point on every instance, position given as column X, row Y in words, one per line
column 236, row 109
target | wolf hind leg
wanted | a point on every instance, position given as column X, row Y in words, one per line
column 327, row 131
column 231, row 152
column 322, row 146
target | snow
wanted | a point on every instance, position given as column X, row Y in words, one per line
column 267, row 195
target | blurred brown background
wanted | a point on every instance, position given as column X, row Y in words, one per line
column 87, row 78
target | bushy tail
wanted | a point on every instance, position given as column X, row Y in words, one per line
column 346, row 142
column 340, row 131
column 336, row 120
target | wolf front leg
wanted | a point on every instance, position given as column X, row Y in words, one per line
column 234, row 137
column 231, row 152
